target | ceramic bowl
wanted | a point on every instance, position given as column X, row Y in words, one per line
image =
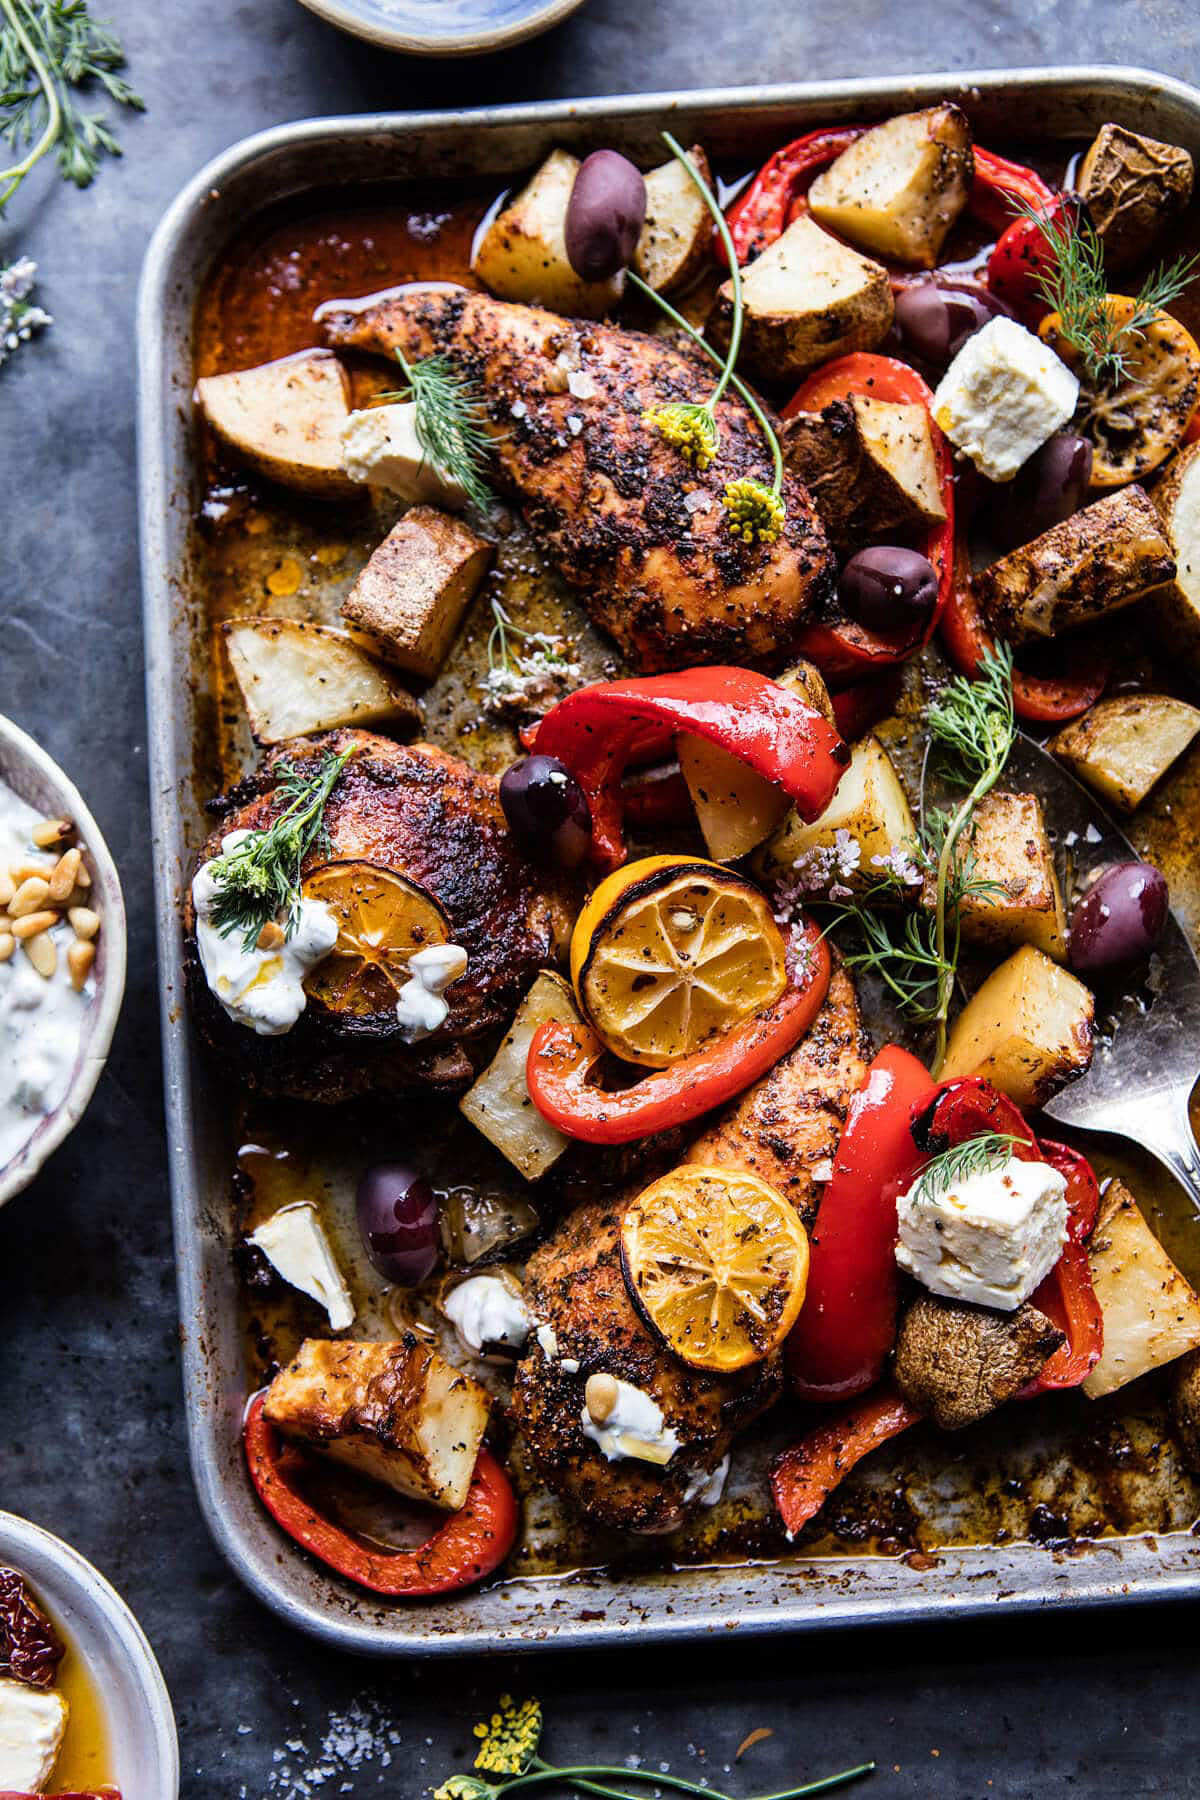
column 443, row 27
column 102, row 1631
column 37, row 779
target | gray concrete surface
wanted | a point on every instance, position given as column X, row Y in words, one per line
column 93, row 1440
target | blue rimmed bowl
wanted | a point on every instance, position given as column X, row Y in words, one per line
column 443, row 27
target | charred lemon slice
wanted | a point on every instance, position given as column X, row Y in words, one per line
column 670, row 953
column 716, row 1262
column 1136, row 421
column 383, row 919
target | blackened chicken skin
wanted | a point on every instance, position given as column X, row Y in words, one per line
column 642, row 536
column 430, row 816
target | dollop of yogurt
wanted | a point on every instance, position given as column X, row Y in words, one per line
column 261, row 989
column 707, row 1485
column 485, row 1310
column 421, row 1008
column 636, row 1427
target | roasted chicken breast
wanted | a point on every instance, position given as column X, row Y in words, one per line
column 642, row 536
column 430, row 816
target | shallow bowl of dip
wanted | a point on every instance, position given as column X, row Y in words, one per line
column 104, row 1638
column 70, row 1033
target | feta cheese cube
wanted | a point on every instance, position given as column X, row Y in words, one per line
column 293, row 1241
column 1003, row 395
column 988, row 1240
column 33, row 1723
column 381, row 446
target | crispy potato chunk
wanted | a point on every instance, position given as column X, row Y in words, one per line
column 1010, row 846
column 399, row 1413
column 1121, row 747
column 523, row 253
column 1027, row 1029
column 498, row 1103
column 869, row 466
column 1176, row 605
column 296, row 678
column 408, row 601
column 285, row 419
column 870, row 804
column 1133, row 187
column 1151, row 1315
column 674, row 242
column 901, row 186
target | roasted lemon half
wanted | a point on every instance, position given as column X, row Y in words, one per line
column 716, row 1262
column 670, row 953
column 383, row 919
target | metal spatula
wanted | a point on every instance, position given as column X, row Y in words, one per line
column 1147, row 1052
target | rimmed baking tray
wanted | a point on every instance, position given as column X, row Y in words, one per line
column 595, row 1607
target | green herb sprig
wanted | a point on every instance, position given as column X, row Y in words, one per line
column 451, row 424
column 50, row 50
column 951, row 1167
column 259, row 879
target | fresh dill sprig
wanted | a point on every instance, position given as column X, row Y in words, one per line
column 259, row 879
column 49, row 51
column 450, row 424
column 524, row 667
column 958, row 1163
column 1076, row 288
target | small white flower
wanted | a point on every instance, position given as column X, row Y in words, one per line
column 18, row 319
column 899, row 863
column 839, row 891
column 846, row 853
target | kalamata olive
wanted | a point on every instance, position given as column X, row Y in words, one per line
column 547, row 810
column 398, row 1220
column 1051, row 486
column 935, row 322
column 1120, row 918
column 605, row 215
column 888, row 587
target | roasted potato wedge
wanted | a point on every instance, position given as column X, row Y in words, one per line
column 1094, row 563
column 285, row 420
column 1009, row 845
column 399, row 1413
column 498, row 1103
column 523, row 253
column 407, row 603
column 807, row 298
column 870, row 804
column 901, row 186
column 1027, row 1029
column 1151, row 1315
column 1124, row 745
column 296, row 678
column 1176, row 605
column 869, row 466
column 674, row 243
column 1133, row 188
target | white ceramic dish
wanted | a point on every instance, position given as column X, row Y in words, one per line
column 37, row 779
column 104, row 1633
column 443, row 27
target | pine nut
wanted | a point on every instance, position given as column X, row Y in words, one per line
column 30, row 897
column 8, row 888
column 270, row 937
column 62, row 882
column 84, row 922
column 51, row 831
column 82, row 878
column 80, row 958
column 28, row 871
column 8, row 944
column 600, row 1396
column 30, row 924
column 43, row 954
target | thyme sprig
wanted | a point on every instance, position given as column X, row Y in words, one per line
column 450, row 422
column 1075, row 286
column 508, row 1749
column 952, row 1166
column 259, row 879
column 754, row 511
column 50, row 50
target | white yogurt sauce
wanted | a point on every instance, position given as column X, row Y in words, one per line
column 486, row 1310
column 262, row 989
column 635, row 1427
column 421, row 1009
column 707, row 1485
column 41, row 1021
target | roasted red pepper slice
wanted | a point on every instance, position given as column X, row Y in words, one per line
column 845, row 650
column 1067, row 1295
column 965, row 1107
column 471, row 1543
column 847, row 1326
column 999, row 182
column 806, row 1473
column 563, row 1058
column 764, row 725
column 656, row 796
column 765, row 208
column 864, row 703
column 1083, row 1190
column 1020, row 258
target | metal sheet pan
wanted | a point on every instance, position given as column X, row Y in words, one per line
column 595, row 1607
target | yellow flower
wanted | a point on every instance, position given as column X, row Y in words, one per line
column 755, row 512
column 690, row 429
column 465, row 1787
column 510, row 1738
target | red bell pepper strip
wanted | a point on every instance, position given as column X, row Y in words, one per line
column 563, row 1058
column 847, row 1325
column 1021, row 257
column 655, row 796
column 764, row 209
column 999, row 182
column 965, row 1107
column 1083, row 1190
column 845, row 649
column 1067, row 1296
column 764, row 725
column 471, row 1543
column 858, row 707
column 806, row 1473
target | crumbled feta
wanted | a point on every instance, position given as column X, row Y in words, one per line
column 33, row 1723
column 262, row 989
column 1003, row 395
column 381, row 446
column 988, row 1240
column 421, row 1008
column 706, row 1485
column 635, row 1428
column 293, row 1241
column 547, row 1341
column 486, row 1310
